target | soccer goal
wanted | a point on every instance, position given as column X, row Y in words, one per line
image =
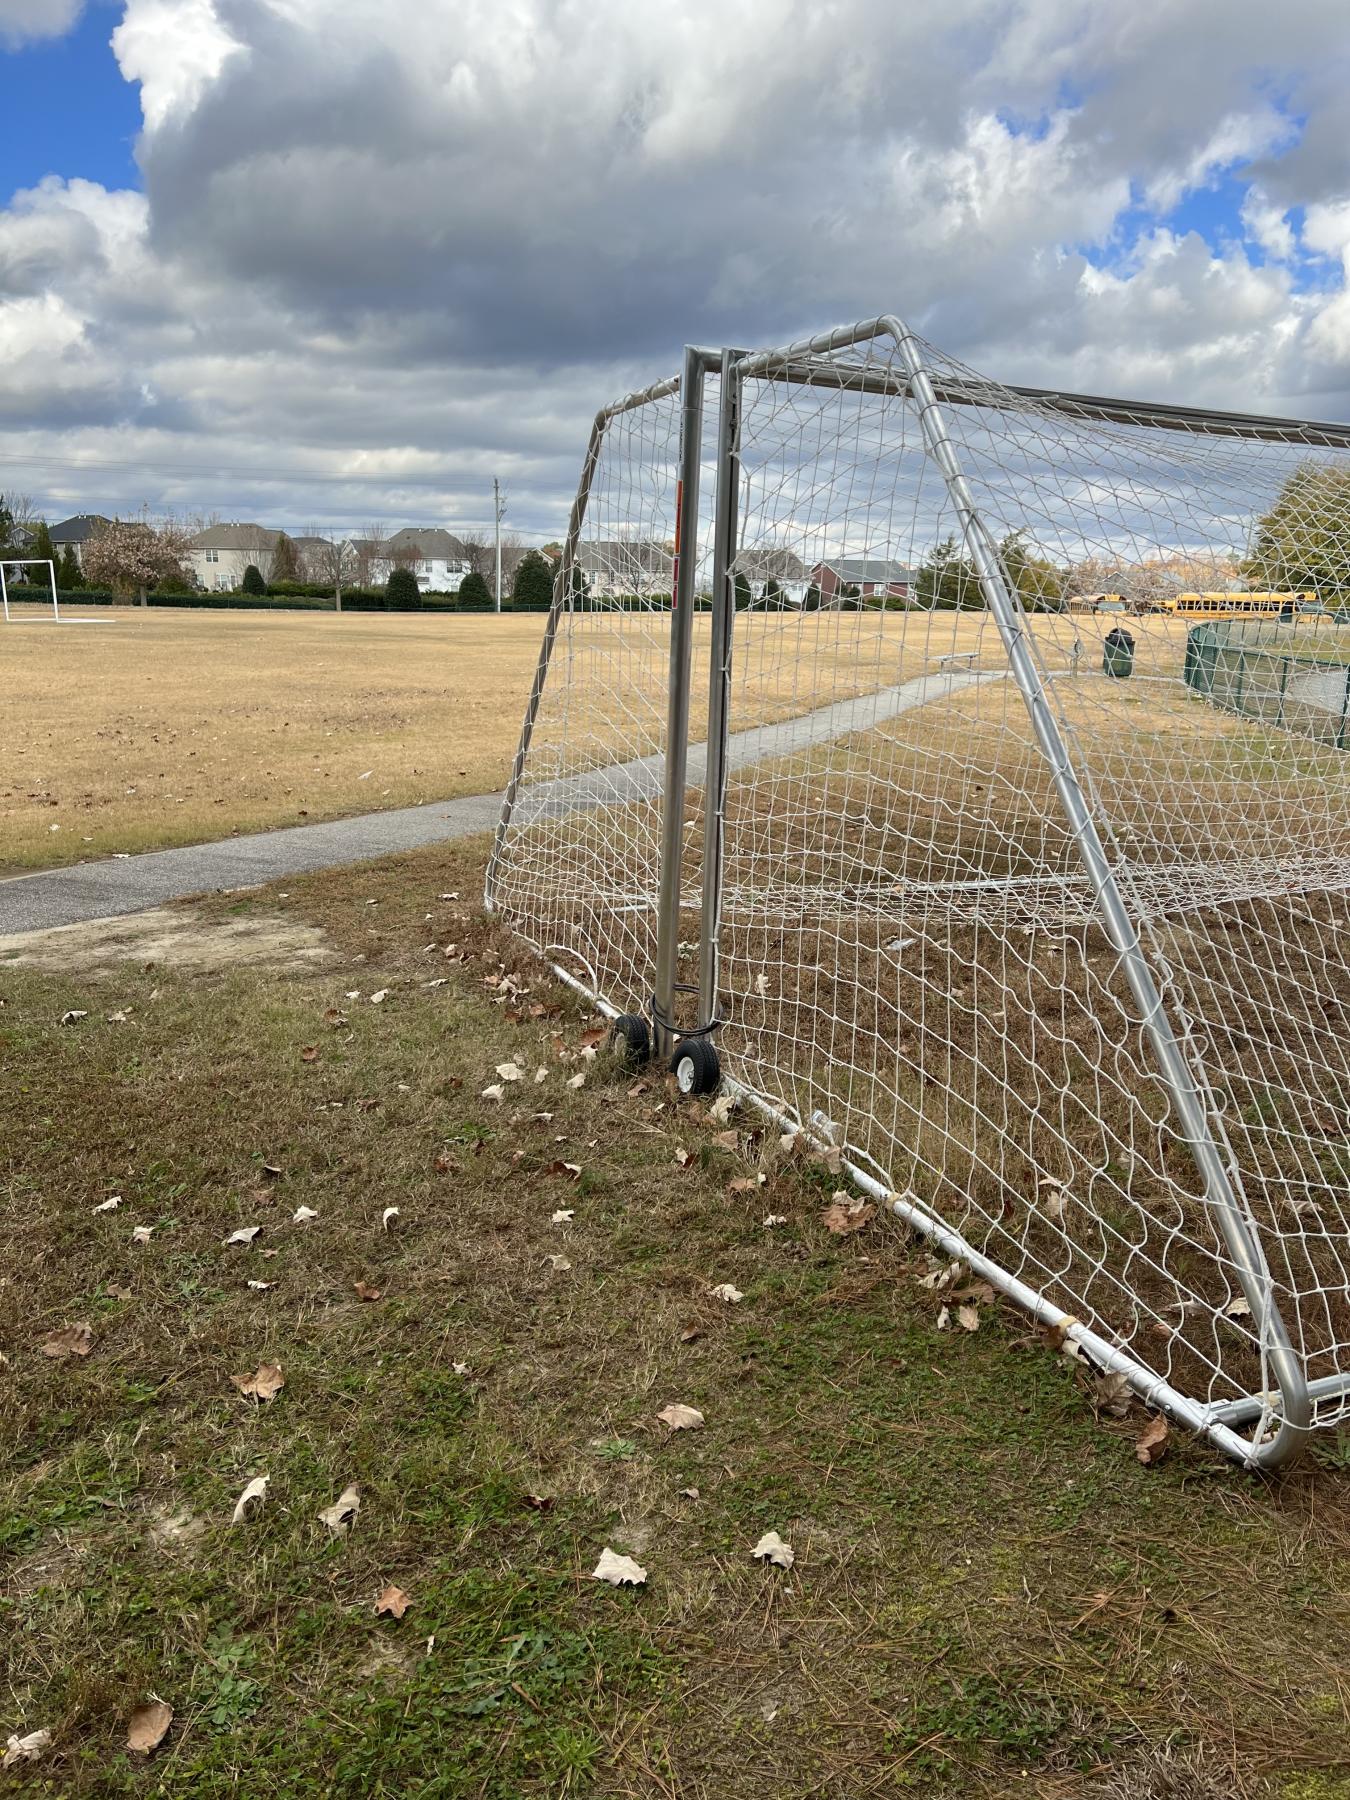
column 936, row 847
column 28, row 562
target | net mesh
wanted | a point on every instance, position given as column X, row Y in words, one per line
column 911, row 954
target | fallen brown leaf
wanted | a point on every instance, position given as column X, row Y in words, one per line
column 73, row 1340
column 394, row 1601
column 1151, row 1444
column 846, row 1214
column 148, row 1724
column 265, row 1383
column 364, row 1291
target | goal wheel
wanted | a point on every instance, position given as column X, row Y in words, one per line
column 695, row 1067
column 631, row 1038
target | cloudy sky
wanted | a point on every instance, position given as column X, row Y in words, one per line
column 327, row 262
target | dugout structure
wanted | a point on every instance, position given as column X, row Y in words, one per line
column 827, row 788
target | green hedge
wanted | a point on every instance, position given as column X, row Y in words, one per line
column 356, row 601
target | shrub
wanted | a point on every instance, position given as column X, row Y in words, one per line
column 473, row 590
column 533, row 582
column 174, row 583
column 401, row 589
column 253, row 582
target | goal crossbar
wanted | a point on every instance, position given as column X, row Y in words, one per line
column 574, row 883
column 28, row 562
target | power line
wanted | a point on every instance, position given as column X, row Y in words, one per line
column 227, row 470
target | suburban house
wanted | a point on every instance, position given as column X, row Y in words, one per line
column 625, row 566
column 317, row 556
column 221, row 553
column 436, row 557
column 870, row 575
column 75, row 533
column 773, row 563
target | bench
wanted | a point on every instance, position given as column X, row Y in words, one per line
column 948, row 664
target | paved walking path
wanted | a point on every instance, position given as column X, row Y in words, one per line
column 104, row 890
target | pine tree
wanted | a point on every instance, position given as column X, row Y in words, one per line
column 253, row 582
column 401, row 590
column 69, row 576
column 741, row 585
column 533, row 583
column 947, row 580
column 473, row 590
column 40, row 546
column 773, row 593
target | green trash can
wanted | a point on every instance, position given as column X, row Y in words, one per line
column 1118, row 653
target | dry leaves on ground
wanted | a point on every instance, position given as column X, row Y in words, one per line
column 72, row 1340
column 341, row 1515
column 771, row 1548
column 249, row 1500
column 265, row 1383
column 394, row 1601
column 29, row 1748
column 617, row 1570
column 846, row 1214
column 726, row 1292
column 1151, row 1444
column 681, row 1418
column 244, row 1235
column 364, row 1291
column 148, row 1724
column 1112, row 1394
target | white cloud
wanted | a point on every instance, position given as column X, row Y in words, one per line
column 425, row 238
column 22, row 21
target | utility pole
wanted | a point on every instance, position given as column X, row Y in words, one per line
column 498, row 508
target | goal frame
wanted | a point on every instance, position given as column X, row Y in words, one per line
column 1277, row 1419
column 28, row 562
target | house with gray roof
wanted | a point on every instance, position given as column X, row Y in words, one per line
column 869, row 575
column 221, row 553
column 436, row 557
column 74, row 533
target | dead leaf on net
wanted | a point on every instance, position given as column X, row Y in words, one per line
column 1151, row 1444
column 725, row 1291
column 846, row 1214
column 265, row 1383
column 71, row 1340
column 1237, row 1308
column 617, row 1570
column 681, row 1418
column 393, row 1601
column 771, row 1548
column 341, row 1515
column 244, row 1235
column 364, row 1291
column 148, row 1724
column 1112, row 1393
column 250, row 1499
column 29, row 1748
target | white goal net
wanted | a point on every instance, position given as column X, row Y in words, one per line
column 12, row 574
column 1022, row 724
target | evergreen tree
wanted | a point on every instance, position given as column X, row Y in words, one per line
column 285, row 562
column 40, row 546
column 947, row 580
column 773, row 593
column 811, row 599
column 533, row 583
column 69, row 576
column 473, row 590
column 253, row 582
column 6, row 525
column 1037, row 581
column 401, row 589
column 741, row 584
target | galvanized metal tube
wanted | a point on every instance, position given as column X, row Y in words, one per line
column 677, row 706
column 725, row 529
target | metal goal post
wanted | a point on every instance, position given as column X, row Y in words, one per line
column 860, row 772
column 28, row 562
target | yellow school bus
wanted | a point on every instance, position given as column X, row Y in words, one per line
column 1234, row 606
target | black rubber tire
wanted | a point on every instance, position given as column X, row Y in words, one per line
column 695, row 1066
column 631, row 1037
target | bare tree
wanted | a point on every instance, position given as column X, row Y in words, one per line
column 513, row 553
column 370, row 550
column 477, row 551
column 330, row 560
